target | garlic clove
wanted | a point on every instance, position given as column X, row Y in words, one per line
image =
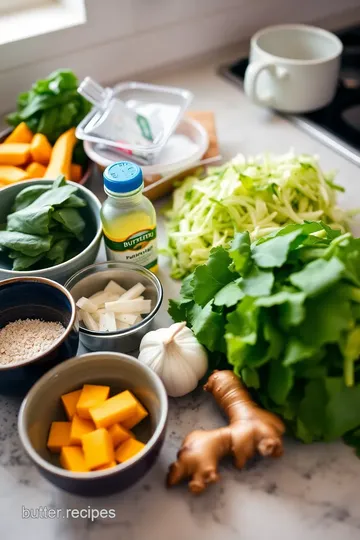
column 176, row 356
column 178, row 376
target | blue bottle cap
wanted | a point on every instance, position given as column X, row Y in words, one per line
column 123, row 177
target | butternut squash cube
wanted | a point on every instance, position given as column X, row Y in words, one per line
column 14, row 153
column 115, row 409
column 72, row 459
column 59, row 436
column 40, row 149
column 75, row 172
column 69, row 402
column 119, row 434
column 9, row 174
column 128, row 449
column 107, row 466
column 91, row 395
column 35, row 170
column 79, row 427
column 61, row 155
column 136, row 418
column 98, row 448
column 20, row 134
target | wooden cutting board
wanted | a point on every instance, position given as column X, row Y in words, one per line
column 160, row 186
column 207, row 120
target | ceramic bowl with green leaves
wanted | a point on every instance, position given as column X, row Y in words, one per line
column 48, row 228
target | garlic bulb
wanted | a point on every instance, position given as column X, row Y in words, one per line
column 176, row 356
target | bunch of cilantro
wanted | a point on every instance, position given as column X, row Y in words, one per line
column 284, row 312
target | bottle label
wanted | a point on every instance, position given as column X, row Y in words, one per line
column 140, row 248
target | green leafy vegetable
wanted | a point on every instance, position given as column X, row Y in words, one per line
column 71, row 221
column 27, row 244
column 45, row 227
column 52, row 106
column 259, row 195
column 288, row 306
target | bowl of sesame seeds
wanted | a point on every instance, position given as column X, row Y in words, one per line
column 38, row 329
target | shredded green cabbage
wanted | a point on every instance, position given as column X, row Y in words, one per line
column 257, row 194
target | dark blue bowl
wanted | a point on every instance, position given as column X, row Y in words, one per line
column 37, row 298
column 42, row 406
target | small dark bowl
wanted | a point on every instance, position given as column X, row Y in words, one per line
column 42, row 406
column 37, row 298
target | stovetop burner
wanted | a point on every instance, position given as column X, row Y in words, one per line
column 338, row 124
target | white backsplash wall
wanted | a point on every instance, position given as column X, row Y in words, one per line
column 123, row 38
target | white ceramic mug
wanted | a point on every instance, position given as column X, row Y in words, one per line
column 293, row 68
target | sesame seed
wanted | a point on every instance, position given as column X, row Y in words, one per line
column 25, row 339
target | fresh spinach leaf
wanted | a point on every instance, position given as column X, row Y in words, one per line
column 23, row 262
column 27, row 244
column 31, row 220
column 71, row 220
column 57, row 253
column 28, row 195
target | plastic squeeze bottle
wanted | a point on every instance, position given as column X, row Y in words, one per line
column 128, row 217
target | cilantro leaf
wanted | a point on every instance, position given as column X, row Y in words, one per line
column 296, row 351
column 178, row 309
column 229, row 295
column 312, row 410
column 343, row 408
column 258, row 282
column 280, row 381
column 208, row 327
column 273, row 253
column 210, row 278
column 240, row 252
column 327, row 316
column 318, row 276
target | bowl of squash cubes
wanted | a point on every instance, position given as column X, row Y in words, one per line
column 96, row 424
column 26, row 156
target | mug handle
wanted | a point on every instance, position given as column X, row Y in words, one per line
column 251, row 77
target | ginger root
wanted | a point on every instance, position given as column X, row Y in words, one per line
column 251, row 430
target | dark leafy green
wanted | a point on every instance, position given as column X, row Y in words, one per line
column 284, row 312
column 46, row 226
column 52, row 106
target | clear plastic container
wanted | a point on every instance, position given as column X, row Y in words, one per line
column 162, row 106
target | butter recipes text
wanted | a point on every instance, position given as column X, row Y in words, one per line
column 45, row 512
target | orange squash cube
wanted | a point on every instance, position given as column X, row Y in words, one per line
column 115, row 409
column 59, row 436
column 91, row 395
column 79, row 427
column 107, row 466
column 72, row 459
column 119, row 434
column 98, row 448
column 136, row 418
column 35, row 170
column 14, row 153
column 69, row 402
column 9, row 174
column 128, row 449
column 40, row 149
column 20, row 134
column 75, row 172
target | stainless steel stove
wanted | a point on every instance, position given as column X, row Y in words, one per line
column 338, row 124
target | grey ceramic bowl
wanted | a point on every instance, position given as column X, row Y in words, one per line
column 93, row 279
column 42, row 406
column 37, row 298
column 93, row 234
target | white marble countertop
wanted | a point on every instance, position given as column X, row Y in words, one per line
column 312, row 492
